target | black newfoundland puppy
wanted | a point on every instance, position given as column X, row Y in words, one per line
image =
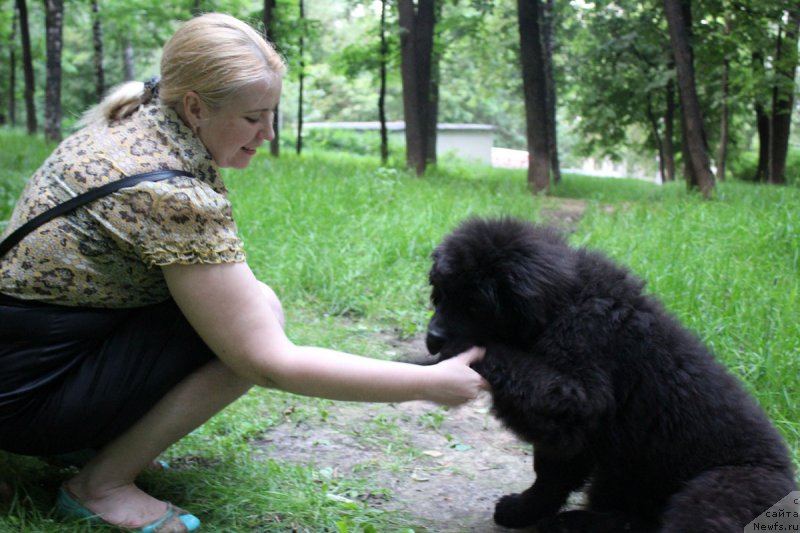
column 614, row 394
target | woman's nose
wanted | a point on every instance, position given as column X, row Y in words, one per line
column 267, row 132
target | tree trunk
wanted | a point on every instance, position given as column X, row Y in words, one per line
column 97, row 34
column 764, row 129
column 415, row 140
column 302, row 77
column 54, row 22
column 27, row 67
column 12, row 65
column 269, row 28
column 694, row 141
column 669, row 132
column 535, row 93
column 127, row 60
column 722, row 154
column 431, row 128
column 384, row 57
column 783, row 97
column 691, row 179
column 432, row 116
column 548, row 43
column 654, row 126
column 416, row 47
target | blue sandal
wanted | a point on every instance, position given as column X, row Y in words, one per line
column 175, row 520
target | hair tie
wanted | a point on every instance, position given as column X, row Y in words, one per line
column 151, row 86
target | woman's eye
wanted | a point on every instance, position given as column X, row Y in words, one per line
column 251, row 120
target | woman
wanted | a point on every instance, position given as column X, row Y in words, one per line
column 133, row 320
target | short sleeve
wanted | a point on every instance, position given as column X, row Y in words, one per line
column 177, row 221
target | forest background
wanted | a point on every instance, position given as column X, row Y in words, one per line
column 563, row 80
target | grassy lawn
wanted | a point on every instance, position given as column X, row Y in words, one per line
column 346, row 245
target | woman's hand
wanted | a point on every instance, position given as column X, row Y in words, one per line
column 457, row 382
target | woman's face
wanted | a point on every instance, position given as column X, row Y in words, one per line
column 233, row 133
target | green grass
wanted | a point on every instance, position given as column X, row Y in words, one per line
column 340, row 234
column 346, row 245
column 20, row 156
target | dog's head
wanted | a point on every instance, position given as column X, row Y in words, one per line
column 496, row 280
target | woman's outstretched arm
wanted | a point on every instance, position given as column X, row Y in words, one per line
column 241, row 323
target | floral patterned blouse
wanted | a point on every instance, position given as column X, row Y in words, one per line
column 105, row 254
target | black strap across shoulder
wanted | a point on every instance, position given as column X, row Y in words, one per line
column 82, row 199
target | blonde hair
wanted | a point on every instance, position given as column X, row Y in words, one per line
column 214, row 55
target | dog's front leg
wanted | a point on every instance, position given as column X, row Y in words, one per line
column 556, row 478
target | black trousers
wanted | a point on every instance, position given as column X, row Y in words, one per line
column 74, row 378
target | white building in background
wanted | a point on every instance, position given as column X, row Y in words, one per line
column 465, row 141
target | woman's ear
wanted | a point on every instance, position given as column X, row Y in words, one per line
column 194, row 109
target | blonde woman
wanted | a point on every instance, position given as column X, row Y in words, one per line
column 132, row 320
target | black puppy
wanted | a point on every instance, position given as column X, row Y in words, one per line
column 614, row 394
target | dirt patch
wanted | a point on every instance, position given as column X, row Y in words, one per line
column 563, row 213
column 445, row 468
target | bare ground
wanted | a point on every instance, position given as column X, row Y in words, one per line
column 563, row 213
column 444, row 468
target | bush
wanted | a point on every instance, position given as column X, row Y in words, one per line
column 367, row 142
column 744, row 166
column 20, row 157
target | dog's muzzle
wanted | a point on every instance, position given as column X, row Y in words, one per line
column 435, row 340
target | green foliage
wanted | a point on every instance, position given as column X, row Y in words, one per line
column 745, row 165
column 479, row 69
column 611, row 62
column 343, row 80
column 616, row 61
column 347, row 141
column 617, row 68
column 19, row 158
column 142, row 24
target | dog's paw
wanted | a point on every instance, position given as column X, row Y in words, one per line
column 514, row 511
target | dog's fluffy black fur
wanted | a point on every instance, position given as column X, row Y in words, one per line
column 614, row 394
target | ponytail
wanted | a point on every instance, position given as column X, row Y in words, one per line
column 120, row 102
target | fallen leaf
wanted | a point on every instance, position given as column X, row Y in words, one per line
column 416, row 476
column 432, row 453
